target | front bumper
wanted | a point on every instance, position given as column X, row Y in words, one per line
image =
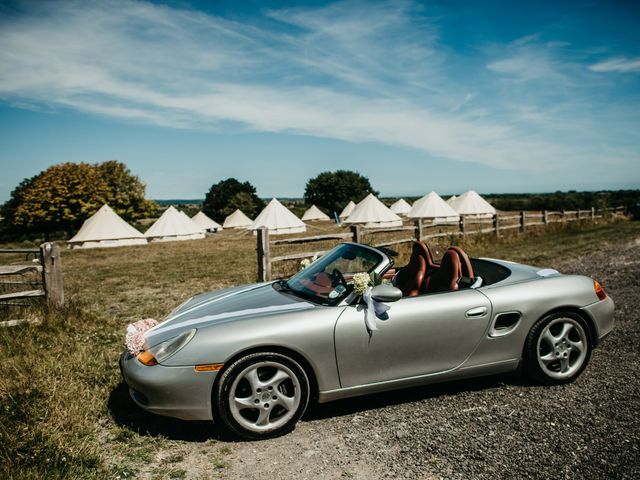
column 179, row 392
column 602, row 315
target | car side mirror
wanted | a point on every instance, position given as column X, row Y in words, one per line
column 386, row 293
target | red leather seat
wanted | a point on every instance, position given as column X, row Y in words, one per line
column 465, row 263
column 431, row 264
column 447, row 276
column 410, row 278
column 320, row 284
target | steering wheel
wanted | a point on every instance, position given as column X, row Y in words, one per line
column 337, row 278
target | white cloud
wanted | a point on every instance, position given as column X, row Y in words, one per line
column 359, row 72
column 618, row 64
column 525, row 66
column 526, row 59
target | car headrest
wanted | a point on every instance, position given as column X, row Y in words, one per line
column 410, row 278
column 431, row 264
column 447, row 276
column 465, row 263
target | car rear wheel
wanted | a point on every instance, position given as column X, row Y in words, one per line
column 558, row 348
column 262, row 395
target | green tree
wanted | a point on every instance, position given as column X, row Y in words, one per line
column 61, row 197
column 125, row 191
column 331, row 191
column 227, row 195
column 8, row 210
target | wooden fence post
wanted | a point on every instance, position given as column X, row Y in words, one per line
column 418, row 229
column 563, row 216
column 578, row 215
column 463, row 227
column 52, row 274
column 496, row 224
column 264, row 255
column 545, row 217
column 523, row 220
column 356, row 233
column 593, row 213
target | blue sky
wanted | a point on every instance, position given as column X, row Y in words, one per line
column 418, row 96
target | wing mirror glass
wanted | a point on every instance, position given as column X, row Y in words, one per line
column 386, row 293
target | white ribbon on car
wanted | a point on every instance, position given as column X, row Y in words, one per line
column 373, row 309
column 229, row 315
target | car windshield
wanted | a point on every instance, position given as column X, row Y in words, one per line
column 329, row 279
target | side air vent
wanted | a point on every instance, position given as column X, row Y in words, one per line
column 505, row 323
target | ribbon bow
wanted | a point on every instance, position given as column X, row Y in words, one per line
column 378, row 308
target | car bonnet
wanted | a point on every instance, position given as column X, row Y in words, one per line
column 227, row 305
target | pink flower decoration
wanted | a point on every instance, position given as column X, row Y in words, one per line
column 134, row 340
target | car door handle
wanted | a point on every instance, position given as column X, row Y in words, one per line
column 476, row 312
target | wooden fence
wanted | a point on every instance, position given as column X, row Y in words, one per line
column 420, row 231
column 48, row 270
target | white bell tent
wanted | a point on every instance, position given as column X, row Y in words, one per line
column 315, row 214
column 433, row 207
column 401, row 207
column 470, row 204
column 185, row 216
column 278, row 219
column 106, row 228
column 372, row 213
column 347, row 210
column 172, row 226
column 237, row 220
column 203, row 221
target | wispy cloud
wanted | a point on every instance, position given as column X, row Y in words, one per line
column 528, row 58
column 618, row 64
column 359, row 72
column 524, row 66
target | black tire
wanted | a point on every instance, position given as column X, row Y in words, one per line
column 553, row 359
column 271, row 400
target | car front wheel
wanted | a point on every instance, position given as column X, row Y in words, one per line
column 262, row 395
column 558, row 348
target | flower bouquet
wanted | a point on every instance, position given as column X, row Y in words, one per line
column 134, row 340
column 362, row 285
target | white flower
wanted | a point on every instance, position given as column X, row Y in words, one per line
column 134, row 340
column 304, row 263
column 360, row 282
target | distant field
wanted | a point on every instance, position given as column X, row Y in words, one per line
column 62, row 413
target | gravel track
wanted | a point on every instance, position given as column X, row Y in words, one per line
column 495, row 427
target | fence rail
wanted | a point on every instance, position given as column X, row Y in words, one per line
column 264, row 243
column 317, row 238
column 48, row 271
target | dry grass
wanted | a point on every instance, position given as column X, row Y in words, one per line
column 63, row 411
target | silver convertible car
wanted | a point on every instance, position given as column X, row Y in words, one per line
column 253, row 357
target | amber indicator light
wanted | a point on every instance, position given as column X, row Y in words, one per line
column 147, row 358
column 209, row 367
column 599, row 290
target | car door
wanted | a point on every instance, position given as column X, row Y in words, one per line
column 422, row 335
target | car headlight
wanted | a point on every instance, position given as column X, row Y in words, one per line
column 162, row 351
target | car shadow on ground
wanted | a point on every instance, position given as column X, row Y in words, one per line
column 375, row 401
column 129, row 415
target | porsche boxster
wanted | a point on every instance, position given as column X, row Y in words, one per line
column 253, row 357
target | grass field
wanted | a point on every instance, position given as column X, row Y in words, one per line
column 63, row 412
